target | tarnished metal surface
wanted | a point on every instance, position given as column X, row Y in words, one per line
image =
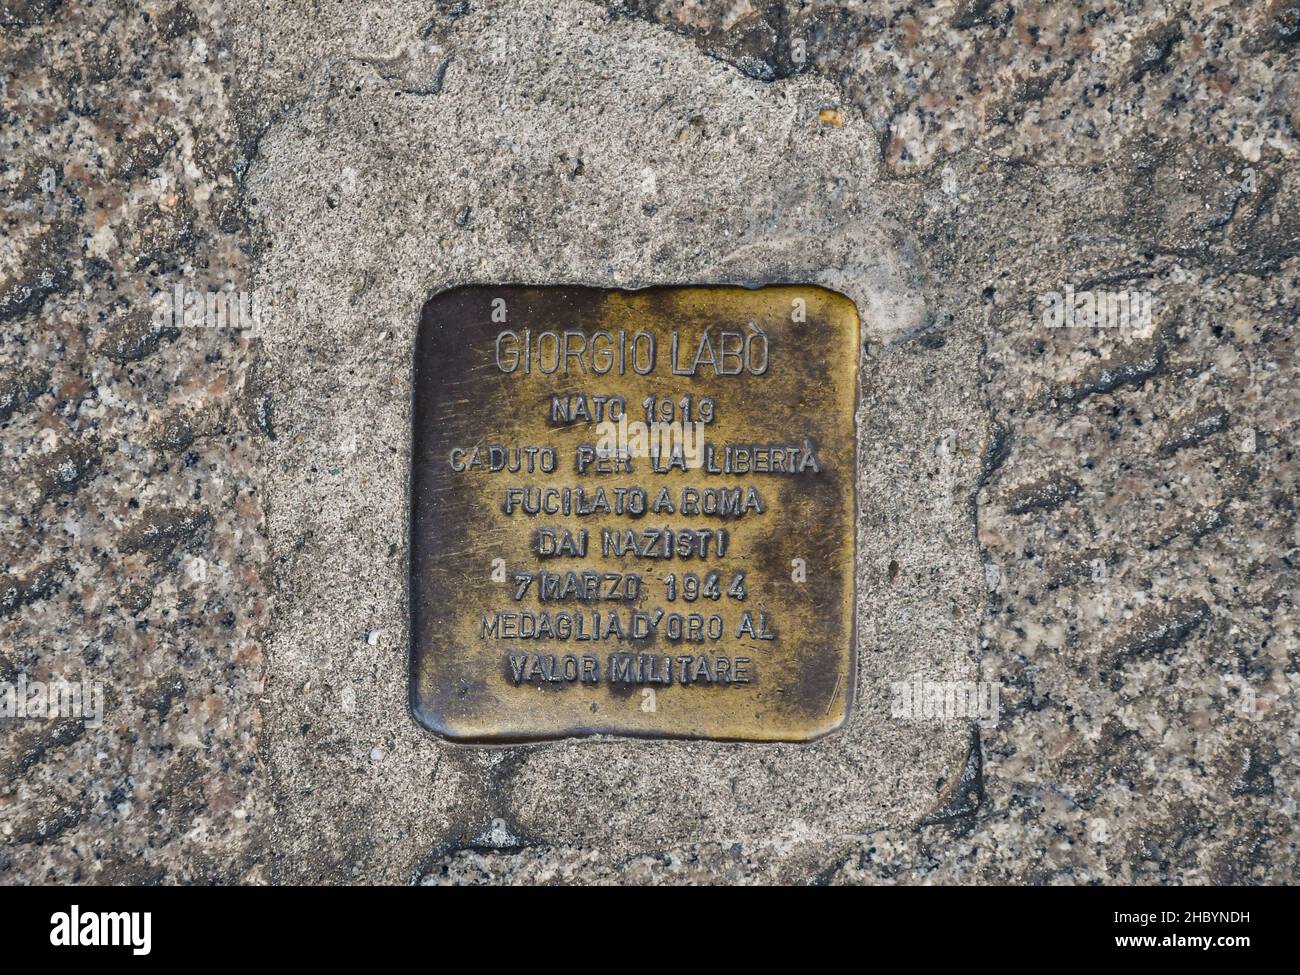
column 632, row 513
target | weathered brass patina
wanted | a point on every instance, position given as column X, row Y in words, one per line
column 632, row 513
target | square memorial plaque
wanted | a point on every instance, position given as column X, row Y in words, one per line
column 632, row 513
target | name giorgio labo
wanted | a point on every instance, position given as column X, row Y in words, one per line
column 618, row 352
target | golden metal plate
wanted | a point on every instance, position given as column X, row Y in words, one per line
column 632, row 513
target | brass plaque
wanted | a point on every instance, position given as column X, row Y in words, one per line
column 632, row 513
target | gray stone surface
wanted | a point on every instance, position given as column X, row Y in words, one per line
column 1098, row 522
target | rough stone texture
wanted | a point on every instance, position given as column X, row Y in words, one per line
column 1099, row 521
column 135, row 557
